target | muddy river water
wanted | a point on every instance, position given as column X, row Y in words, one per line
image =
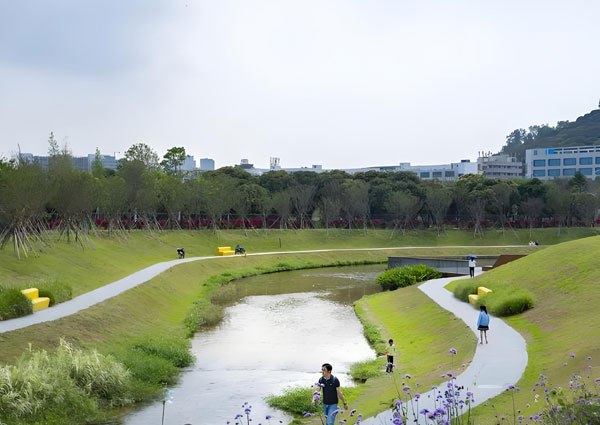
column 284, row 327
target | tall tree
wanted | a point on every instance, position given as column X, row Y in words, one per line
column 404, row 207
column 438, row 202
column 302, row 197
column 356, row 201
column 97, row 166
column 173, row 160
column 144, row 153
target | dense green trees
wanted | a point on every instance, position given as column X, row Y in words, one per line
column 141, row 195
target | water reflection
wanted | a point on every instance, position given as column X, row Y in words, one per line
column 284, row 328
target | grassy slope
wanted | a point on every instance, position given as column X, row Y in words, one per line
column 111, row 260
column 564, row 282
column 423, row 333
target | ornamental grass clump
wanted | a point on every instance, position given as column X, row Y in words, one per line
column 401, row 277
column 361, row 371
column 14, row 304
column 175, row 350
column 69, row 383
column 202, row 315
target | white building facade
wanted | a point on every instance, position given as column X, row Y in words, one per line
column 549, row 163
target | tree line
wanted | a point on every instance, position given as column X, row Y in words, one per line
column 145, row 193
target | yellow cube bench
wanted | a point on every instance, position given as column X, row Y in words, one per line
column 482, row 290
column 38, row 302
column 225, row 250
column 473, row 298
column 31, row 293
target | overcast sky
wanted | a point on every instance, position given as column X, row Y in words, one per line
column 340, row 83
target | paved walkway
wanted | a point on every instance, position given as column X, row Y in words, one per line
column 494, row 367
column 113, row 289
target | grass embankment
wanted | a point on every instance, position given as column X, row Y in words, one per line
column 563, row 280
column 113, row 259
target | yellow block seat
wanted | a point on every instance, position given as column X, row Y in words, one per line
column 482, row 290
column 473, row 298
column 40, row 303
column 31, row 293
column 229, row 252
column 34, row 295
column 222, row 249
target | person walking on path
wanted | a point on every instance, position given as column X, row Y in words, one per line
column 472, row 265
column 483, row 324
column 331, row 394
column 390, row 352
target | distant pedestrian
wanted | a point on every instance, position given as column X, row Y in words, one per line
column 390, row 352
column 331, row 394
column 472, row 265
column 483, row 324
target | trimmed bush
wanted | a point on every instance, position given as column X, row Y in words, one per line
column 14, row 304
column 507, row 301
column 400, row 277
column 202, row 315
column 503, row 301
column 465, row 288
column 361, row 371
column 57, row 291
column 174, row 350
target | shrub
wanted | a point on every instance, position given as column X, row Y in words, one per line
column 364, row 370
column 465, row 288
column 400, row 277
column 14, row 304
column 149, row 368
column 507, row 301
column 57, row 291
column 503, row 301
column 174, row 350
column 202, row 315
column 294, row 400
column 227, row 294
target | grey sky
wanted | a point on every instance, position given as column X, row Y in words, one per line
column 339, row 83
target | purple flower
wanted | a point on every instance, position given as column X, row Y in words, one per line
column 572, row 355
column 307, row 414
column 406, row 388
column 417, row 396
column 452, row 351
column 589, row 357
column 352, row 412
column 397, row 421
column 268, row 417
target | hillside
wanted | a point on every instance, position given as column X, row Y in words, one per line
column 584, row 131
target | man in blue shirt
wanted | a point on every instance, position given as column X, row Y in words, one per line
column 331, row 394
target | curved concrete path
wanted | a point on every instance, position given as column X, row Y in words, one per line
column 494, row 367
column 113, row 289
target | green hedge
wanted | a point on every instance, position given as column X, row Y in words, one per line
column 504, row 300
column 14, row 304
column 400, row 277
column 202, row 315
column 57, row 291
column 361, row 371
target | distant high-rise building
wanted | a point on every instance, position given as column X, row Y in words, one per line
column 207, row 164
column 189, row 164
column 108, row 161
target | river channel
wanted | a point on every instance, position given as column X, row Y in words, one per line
column 284, row 327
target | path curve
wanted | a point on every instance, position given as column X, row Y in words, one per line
column 494, row 367
column 113, row 289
